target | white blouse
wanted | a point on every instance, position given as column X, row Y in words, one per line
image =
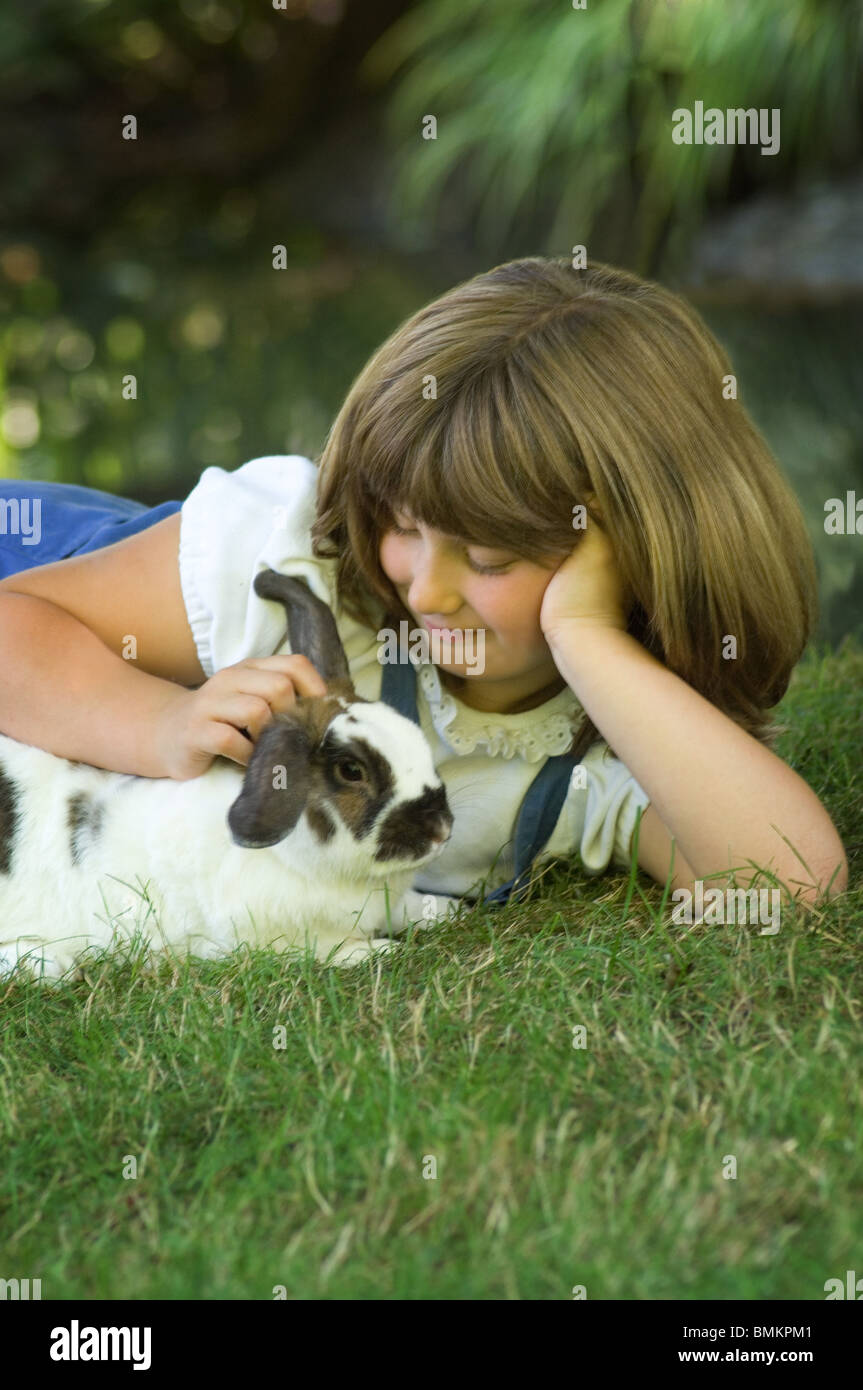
column 258, row 517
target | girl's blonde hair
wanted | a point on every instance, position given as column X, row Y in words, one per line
column 535, row 387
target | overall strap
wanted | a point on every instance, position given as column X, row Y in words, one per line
column 399, row 688
column 542, row 803
column 537, row 817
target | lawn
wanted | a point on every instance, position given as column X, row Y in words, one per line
column 423, row 1126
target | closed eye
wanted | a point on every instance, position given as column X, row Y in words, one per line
column 474, row 564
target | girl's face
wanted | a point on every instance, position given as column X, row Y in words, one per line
column 447, row 582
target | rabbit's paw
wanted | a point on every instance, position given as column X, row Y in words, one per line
column 31, row 960
column 423, row 910
column 352, row 952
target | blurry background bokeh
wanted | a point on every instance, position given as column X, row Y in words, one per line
column 299, row 122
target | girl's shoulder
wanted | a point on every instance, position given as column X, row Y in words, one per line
column 276, row 490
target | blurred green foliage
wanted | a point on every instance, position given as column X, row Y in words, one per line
column 551, row 120
column 231, row 358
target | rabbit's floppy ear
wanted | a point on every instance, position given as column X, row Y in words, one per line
column 311, row 626
column 275, row 787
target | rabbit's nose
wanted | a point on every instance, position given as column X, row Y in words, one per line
column 442, row 829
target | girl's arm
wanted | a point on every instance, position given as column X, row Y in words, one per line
column 97, row 655
column 724, row 797
column 721, row 794
column 129, row 588
column 65, row 685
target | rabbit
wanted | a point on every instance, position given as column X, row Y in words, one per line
column 319, row 837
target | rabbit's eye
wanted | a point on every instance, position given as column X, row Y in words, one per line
column 350, row 769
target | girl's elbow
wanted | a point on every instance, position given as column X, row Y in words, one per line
column 829, row 878
column 837, row 877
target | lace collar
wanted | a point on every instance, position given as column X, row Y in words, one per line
column 533, row 734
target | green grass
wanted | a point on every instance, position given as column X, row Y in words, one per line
column 556, row 1166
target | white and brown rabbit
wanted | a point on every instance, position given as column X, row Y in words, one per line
column 317, row 841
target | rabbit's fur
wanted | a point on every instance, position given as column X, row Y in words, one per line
column 318, row 839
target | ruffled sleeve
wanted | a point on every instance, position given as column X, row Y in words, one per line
column 234, row 524
column 597, row 818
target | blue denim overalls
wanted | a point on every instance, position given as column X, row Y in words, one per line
column 71, row 520
column 44, row 522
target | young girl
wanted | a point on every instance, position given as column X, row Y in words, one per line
column 550, row 460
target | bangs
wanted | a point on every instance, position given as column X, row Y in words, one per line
column 470, row 471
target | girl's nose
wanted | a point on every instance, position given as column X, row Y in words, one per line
column 433, row 598
column 433, row 588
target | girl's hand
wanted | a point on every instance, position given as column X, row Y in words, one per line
column 587, row 588
column 199, row 725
